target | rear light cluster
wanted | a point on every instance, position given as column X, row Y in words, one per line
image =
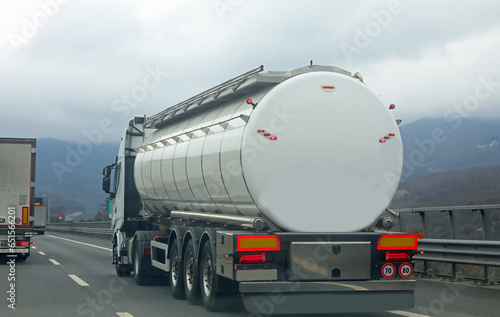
column 251, row 248
column 398, row 253
column 252, row 257
column 22, row 243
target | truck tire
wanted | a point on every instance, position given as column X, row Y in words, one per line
column 208, row 280
column 119, row 268
column 140, row 277
column 176, row 276
column 191, row 276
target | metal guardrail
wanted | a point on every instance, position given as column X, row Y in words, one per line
column 455, row 251
column 475, row 252
column 101, row 228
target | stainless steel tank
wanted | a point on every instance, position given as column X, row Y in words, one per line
column 319, row 152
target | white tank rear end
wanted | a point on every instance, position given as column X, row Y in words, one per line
column 309, row 157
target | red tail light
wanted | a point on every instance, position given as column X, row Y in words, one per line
column 397, row 256
column 252, row 257
column 22, row 243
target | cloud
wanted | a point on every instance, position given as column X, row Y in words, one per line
column 89, row 53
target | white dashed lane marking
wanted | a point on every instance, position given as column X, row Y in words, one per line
column 83, row 243
column 54, row 262
column 78, row 280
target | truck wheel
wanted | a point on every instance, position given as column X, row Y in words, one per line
column 191, row 276
column 208, row 280
column 119, row 268
column 176, row 279
column 139, row 275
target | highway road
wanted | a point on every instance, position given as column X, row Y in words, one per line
column 72, row 275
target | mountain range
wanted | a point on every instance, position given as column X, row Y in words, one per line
column 70, row 174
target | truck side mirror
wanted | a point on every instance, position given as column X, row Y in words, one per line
column 106, row 184
column 106, row 171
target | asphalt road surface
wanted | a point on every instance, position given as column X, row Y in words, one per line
column 72, row 275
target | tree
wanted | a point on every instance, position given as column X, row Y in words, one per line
column 103, row 211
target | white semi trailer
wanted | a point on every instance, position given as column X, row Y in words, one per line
column 266, row 187
column 17, row 193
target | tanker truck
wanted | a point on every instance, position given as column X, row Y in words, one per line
column 266, row 188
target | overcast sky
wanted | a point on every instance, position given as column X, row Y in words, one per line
column 67, row 65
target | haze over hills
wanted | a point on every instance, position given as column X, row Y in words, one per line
column 70, row 174
column 434, row 145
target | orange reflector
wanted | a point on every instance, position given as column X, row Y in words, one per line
column 258, row 243
column 420, row 235
column 146, row 251
column 25, row 215
column 397, row 242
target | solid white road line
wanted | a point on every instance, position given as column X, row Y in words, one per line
column 124, row 315
column 54, row 262
column 41, row 253
column 406, row 313
column 74, row 241
column 78, row 280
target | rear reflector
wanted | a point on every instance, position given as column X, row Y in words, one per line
column 252, row 257
column 258, row 243
column 146, row 251
column 397, row 256
column 25, row 215
column 397, row 242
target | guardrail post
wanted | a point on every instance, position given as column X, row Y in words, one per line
column 426, row 223
column 489, row 272
column 456, row 269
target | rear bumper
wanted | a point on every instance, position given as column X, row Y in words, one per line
column 327, row 297
column 16, row 251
